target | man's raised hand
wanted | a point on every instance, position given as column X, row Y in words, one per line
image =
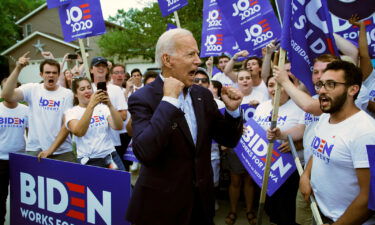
column 23, row 61
column 172, row 87
column 232, row 97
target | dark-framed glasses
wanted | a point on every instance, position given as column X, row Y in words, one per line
column 329, row 85
column 204, row 80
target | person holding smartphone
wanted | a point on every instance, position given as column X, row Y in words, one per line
column 99, row 71
column 90, row 122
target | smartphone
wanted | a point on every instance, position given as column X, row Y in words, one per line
column 102, row 86
column 72, row 56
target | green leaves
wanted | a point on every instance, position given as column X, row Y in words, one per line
column 142, row 29
column 10, row 12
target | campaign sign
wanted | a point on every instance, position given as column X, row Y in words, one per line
column 253, row 23
column 62, row 193
column 307, row 33
column 171, row 26
column 129, row 154
column 215, row 42
column 371, row 159
column 81, row 18
column 248, row 111
column 343, row 28
column 252, row 151
column 169, row 6
column 216, row 36
column 56, row 3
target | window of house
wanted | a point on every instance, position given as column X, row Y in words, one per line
column 28, row 29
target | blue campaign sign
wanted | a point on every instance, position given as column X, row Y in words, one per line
column 371, row 159
column 248, row 111
column 216, row 35
column 307, row 33
column 169, row 6
column 81, row 19
column 343, row 28
column 129, row 154
column 253, row 22
column 171, row 26
column 56, row 192
column 57, row 3
column 252, row 151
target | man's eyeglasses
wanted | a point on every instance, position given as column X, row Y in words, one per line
column 329, row 85
column 204, row 80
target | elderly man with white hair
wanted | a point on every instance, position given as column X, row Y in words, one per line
column 174, row 123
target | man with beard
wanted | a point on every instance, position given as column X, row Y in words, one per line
column 305, row 129
column 339, row 149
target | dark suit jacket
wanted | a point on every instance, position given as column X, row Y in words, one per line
column 172, row 166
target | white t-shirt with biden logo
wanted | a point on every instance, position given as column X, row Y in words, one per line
column 46, row 113
column 339, row 149
column 13, row 123
column 289, row 115
column 97, row 142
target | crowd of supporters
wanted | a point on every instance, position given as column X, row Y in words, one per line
column 91, row 111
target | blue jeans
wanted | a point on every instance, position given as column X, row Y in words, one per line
column 116, row 158
column 102, row 162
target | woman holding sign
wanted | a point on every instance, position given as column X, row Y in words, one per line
column 90, row 122
column 281, row 205
column 238, row 173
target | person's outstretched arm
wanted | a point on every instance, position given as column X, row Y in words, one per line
column 364, row 56
column 228, row 70
column 10, row 93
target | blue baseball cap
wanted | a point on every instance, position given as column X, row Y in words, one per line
column 95, row 61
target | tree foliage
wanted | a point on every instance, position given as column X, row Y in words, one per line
column 143, row 27
column 10, row 12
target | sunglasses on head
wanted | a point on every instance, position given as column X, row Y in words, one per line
column 79, row 77
column 204, row 80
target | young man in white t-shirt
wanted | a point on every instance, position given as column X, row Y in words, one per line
column 13, row 123
column 304, row 130
column 117, row 73
column 254, row 65
column 47, row 102
column 224, row 79
column 338, row 173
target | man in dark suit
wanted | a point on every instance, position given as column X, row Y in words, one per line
column 174, row 123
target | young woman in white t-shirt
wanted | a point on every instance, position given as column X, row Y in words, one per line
column 245, row 84
column 281, row 205
column 90, row 122
column 238, row 173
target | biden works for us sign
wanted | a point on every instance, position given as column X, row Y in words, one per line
column 252, row 151
column 53, row 192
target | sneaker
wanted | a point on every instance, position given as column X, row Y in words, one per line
column 134, row 167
